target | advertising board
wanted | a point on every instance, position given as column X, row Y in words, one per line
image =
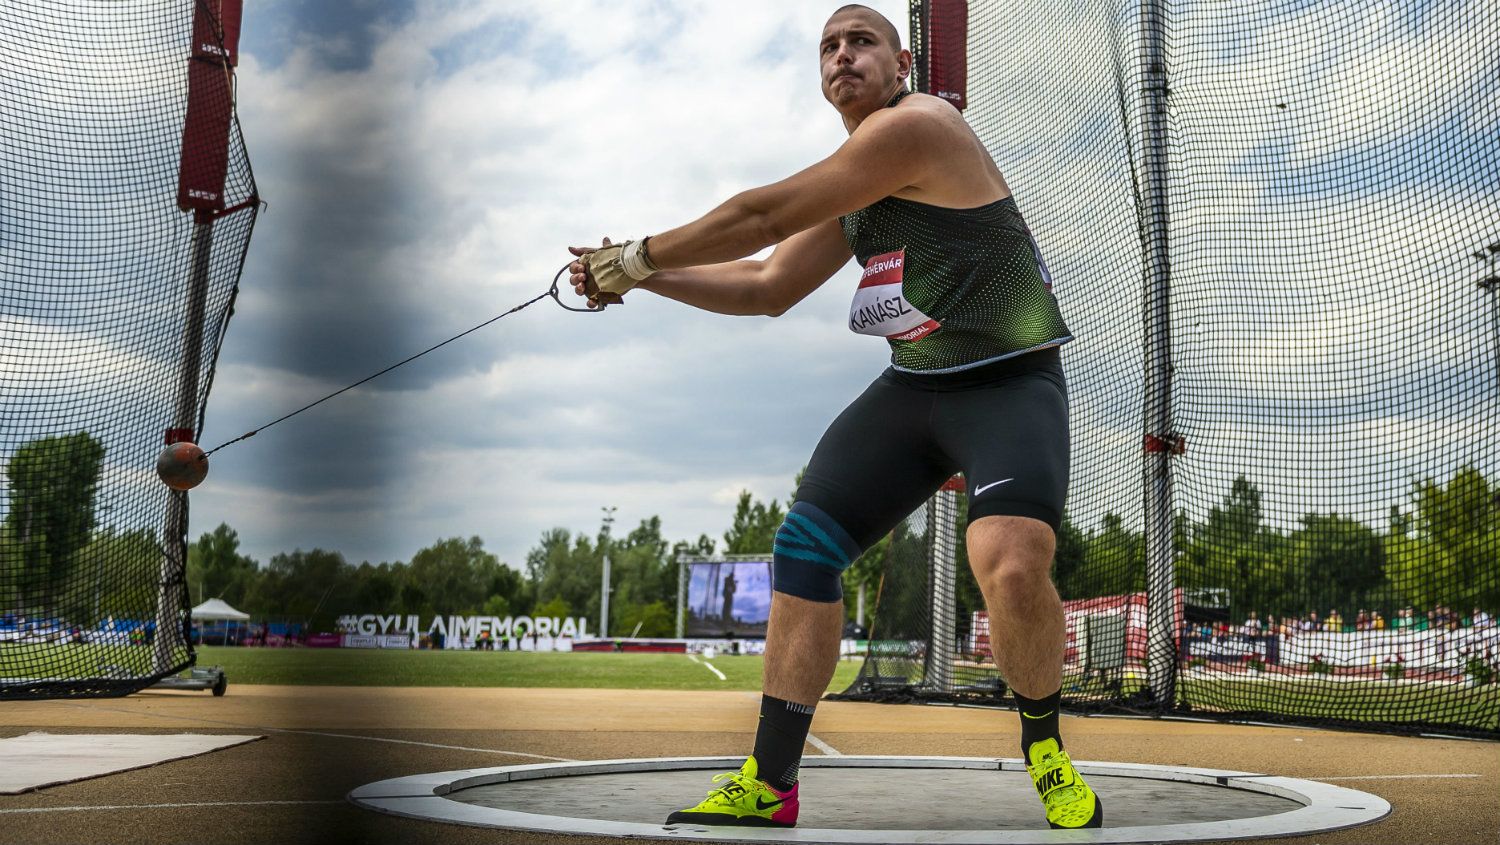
column 728, row 599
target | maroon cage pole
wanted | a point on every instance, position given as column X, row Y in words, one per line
column 201, row 173
column 947, row 50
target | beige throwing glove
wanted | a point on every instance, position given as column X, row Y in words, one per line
column 611, row 271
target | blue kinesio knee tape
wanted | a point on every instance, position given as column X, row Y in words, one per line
column 812, row 552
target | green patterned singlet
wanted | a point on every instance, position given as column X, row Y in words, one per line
column 950, row 288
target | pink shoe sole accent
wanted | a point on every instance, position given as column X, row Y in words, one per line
column 787, row 814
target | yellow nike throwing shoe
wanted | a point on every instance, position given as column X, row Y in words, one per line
column 743, row 800
column 1070, row 802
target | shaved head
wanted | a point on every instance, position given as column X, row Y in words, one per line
column 861, row 62
column 882, row 23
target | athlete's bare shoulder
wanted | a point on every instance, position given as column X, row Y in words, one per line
column 936, row 105
column 964, row 175
column 923, row 109
column 917, row 112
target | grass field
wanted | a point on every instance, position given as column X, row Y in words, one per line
column 381, row 667
column 1375, row 700
column 1360, row 700
column 44, row 660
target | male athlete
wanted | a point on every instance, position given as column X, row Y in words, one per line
column 952, row 279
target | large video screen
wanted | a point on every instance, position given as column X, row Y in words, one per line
column 728, row 599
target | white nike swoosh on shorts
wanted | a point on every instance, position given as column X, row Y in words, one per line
column 978, row 490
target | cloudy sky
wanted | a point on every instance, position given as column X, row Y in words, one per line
column 1333, row 165
column 427, row 163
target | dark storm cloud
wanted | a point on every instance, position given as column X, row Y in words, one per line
column 340, row 34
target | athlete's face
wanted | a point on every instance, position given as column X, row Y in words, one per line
column 861, row 65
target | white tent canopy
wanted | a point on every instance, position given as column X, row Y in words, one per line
column 219, row 609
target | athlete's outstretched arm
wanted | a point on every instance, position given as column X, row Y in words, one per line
column 794, row 269
column 893, row 149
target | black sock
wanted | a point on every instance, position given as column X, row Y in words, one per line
column 1038, row 720
column 779, row 739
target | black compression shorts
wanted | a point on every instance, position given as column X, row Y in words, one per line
column 1003, row 425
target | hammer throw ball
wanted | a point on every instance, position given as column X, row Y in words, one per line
column 182, row 466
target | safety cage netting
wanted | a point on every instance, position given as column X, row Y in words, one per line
column 1274, row 229
column 126, row 205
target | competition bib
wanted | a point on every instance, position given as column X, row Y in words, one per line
column 880, row 309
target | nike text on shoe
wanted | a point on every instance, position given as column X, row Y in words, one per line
column 743, row 800
column 1069, row 801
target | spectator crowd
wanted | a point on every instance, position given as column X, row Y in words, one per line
column 1440, row 617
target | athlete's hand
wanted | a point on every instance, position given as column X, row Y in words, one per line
column 607, row 273
column 583, row 282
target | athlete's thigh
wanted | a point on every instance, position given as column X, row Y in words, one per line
column 1011, row 440
column 877, row 462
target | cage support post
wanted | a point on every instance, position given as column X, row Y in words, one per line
column 942, row 546
column 682, row 585
column 604, row 600
column 918, row 36
column 174, row 540
column 1161, row 443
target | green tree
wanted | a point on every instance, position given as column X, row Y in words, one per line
column 755, row 526
column 1238, row 519
column 377, row 589
column 512, row 586
column 1451, row 555
column 216, row 569
column 118, row 574
column 704, row 546
column 640, row 572
column 1235, row 550
column 554, row 608
column 655, row 620
column 1399, row 522
column 1068, row 561
column 1339, row 562
column 1114, row 561
column 297, row 586
column 411, row 597
column 567, row 569
column 496, row 605
column 902, row 592
column 865, row 574
column 52, row 484
column 456, row 576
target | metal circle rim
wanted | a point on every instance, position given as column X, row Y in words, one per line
column 1325, row 807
